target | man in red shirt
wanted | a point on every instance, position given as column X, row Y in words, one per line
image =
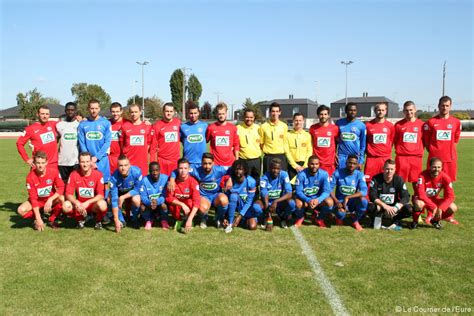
column 427, row 195
column 116, row 122
column 136, row 139
column 45, row 192
column 380, row 135
column 440, row 136
column 85, row 193
column 324, row 135
column 223, row 138
column 184, row 201
column 165, row 147
column 42, row 136
column 408, row 144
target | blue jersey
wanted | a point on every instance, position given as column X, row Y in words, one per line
column 275, row 188
column 310, row 187
column 95, row 137
column 351, row 139
column 153, row 190
column 246, row 191
column 209, row 184
column 120, row 185
column 348, row 184
column 193, row 137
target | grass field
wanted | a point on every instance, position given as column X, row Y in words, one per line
column 71, row 271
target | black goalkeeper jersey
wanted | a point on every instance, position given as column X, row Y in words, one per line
column 390, row 193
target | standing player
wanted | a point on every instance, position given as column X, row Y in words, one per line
column 324, row 135
column 441, row 135
column 350, row 192
column 272, row 136
column 430, row 184
column 313, row 193
column 165, row 146
column 380, row 135
column 223, row 139
column 249, row 138
column 184, row 201
column 85, row 193
column 116, row 122
column 45, row 192
column 94, row 137
column 137, row 137
column 42, row 136
column 352, row 134
column 153, row 195
column 193, row 137
column 409, row 144
column 68, row 146
column 297, row 146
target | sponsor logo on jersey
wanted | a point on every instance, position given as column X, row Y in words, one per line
column 155, row 196
column 243, row 196
column 94, row 135
column 209, row 186
column 387, row 198
column 222, row 141
column 70, row 136
column 311, row 191
column 380, row 138
column 137, row 140
column 195, row 138
column 348, row 137
column 274, row 194
column 324, row 142
column 410, row 138
column 47, row 137
column 86, row 192
column 347, row 190
column 115, row 135
column 45, row 192
column 171, row 137
column 443, row 135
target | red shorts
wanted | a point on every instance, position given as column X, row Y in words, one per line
column 329, row 168
column 450, row 168
column 167, row 166
column 42, row 203
column 373, row 166
column 175, row 210
column 88, row 209
column 409, row 167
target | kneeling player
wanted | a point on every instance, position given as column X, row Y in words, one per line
column 389, row 196
column 276, row 192
column 125, row 184
column 313, row 192
column 45, row 192
column 184, row 200
column 85, row 193
column 152, row 194
column 350, row 192
column 430, row 184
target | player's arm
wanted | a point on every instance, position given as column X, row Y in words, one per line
column 196, row 199
column 288, row 154
column 250, row 196
column 104, row 149
column 299, row 189
column 421, row 192
column 457, row 132
column 404, row 194
column 363, row 144
column 81, row 137
column 448, row 197
column 145, row 199
column 154, row 145
column 426, row 134
column 20, row 146
column 261, row 133
column 236, row 144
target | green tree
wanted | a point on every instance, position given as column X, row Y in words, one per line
column 83, row 93
column 153, row 106
column 424, row 116
column 206, row 111
column 462, row 115
column 29, row 103
column 51, row 100
column 194, row 89
column 248, row 104
column 176, row 88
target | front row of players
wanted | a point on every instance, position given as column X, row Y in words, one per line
column 191, row 192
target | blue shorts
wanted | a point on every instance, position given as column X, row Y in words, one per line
column 211, row 197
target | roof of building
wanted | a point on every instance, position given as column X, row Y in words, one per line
column 56, row 110
column 290, row 102
column 360, row 100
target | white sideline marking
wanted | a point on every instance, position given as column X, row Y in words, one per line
column 319, row 276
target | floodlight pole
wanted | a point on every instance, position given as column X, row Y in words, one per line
column 347, row 63
column 143, row 64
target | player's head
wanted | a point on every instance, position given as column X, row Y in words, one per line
column 207, row 162
column 116, row 111
column 123, row 165
column 43, row 114
column 298, row 121
column 389, row 169
column 70, row 109
column 249, row 117
column 94, row 108
column 134, row 112
column 275, row 167
column 193, row 112
column 239, row 170
column 436, row 166
column 168, row 111
column 183, row 168
column 221, row 110
column 85, row 161
column 275, row 111
column 154, row 170
column 313, row 164
column 352, row 163
column 444, row 105
column 381, row 110
column 409, row 109
column 324, row 113
column 40, row 160
column 351, row 110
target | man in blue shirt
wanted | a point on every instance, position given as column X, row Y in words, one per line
column 350, row 193
column 193, row 137
column 152, row 195
column 313, row 190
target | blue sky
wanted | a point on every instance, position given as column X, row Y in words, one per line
column 258, row 49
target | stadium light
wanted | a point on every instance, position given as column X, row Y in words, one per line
column 143, row 64
column 347, row 63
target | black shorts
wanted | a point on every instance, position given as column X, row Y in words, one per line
column 65, row 171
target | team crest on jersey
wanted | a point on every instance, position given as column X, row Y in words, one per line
column 91, row 183
column 199, row 130
column 49, row 181
column 450, row 126
column 186, row 190
column 384, row 129
column 227, row 132
column 391, row 190
column 175, row 128
column 415, row 129
column 354, row 129
column 49, row 128
column 130, row 183
column 425, row 127
column 329, row 133
column 142, row 131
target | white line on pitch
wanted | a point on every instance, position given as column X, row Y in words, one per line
column 319, row 276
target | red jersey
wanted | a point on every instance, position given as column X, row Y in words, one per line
column 166, row 143
column 187, row 190
column 428, row 190
column 41, row 188
column 117, row 139
column 408, row 139
column 224, row 142
column 324, row 142
column 43, row 137
column 379, row 138
column 440, row 137
column 136, row 144
column 85, row 187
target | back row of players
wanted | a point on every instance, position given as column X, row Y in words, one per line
column 104, row 141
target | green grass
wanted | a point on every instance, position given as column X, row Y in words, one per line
column 207, row 272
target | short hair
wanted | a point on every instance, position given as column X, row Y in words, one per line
column 275, row 105
column 40, row 154
column 183, row 160
column 248, row 110
column 93, row 101
column 85, row 154
column 153, row 164
column 444, row 99
column 122, row 157
column 298, row 114
column 312, row 157
column 323, row 107
column 43, row 107
column 221, row 106
column 389, row 162
column 435, row 159
column 381, row 103
column 71, row 104
column 207, row 156
column 408, row 103
column 275, row 161
column 350, row 104
column 352, row 156
column 193, row 106
column 116, row 105
column 134, row 105
column 239, row 163
column 168, row 104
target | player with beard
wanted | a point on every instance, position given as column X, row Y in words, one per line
column 116, row 122
column 193, row 137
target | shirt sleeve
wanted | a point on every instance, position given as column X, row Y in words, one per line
column 291, row 161
column 448, row 197
column 137, row 183
column 263, row 187
column 309, row 150
column 404, row 194
column 99, row 184
column 20, row 145
column 196, row 195
column 104, row 149
column 421, row 192
column 363, row 139
column 32, row 193
column 457, row 132
column 325, row 187
column 362, row 185
column 373, row 193
column 144, row 194
column 250, row 196
column 299, row 188
column 154, row 145
column 59, row 184
column 81, row 138
column 70, row 188
column 426, row 134
column 114, row 192
column 236, row 140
